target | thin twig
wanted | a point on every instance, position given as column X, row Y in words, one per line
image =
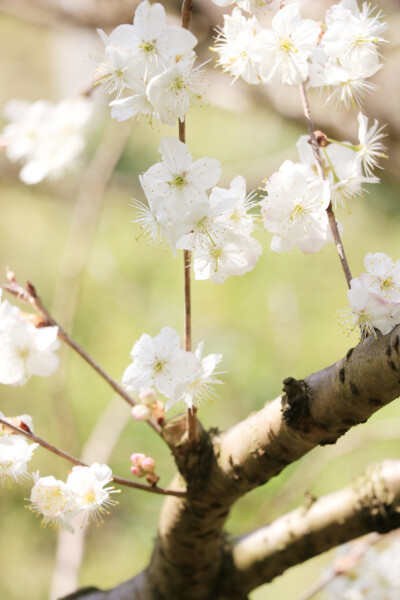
column 120, row 480
column 187, row 257
column 29, row 296
column 320, row 169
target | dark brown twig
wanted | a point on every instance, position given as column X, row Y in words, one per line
column 75, row 461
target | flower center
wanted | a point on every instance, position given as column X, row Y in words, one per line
column 177, row 84
column 178, row 181
column 387, row 284
column 90, row 496
column 159, row 366
column 147, row 47
column 23, row 353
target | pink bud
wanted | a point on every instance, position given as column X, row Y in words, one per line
column 137, row 458
column 140, row 412
column 137, row 472
column 148, row 464
column 148, row 396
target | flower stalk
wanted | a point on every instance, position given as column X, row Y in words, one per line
column 187, row 259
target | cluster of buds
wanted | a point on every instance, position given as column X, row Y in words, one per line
column 143, row 466
column 149, row 406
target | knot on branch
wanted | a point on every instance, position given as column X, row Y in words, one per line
column 296, row 404
column 375, row 501
column 193, row 459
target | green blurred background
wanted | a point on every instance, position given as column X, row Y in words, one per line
column 279, row 320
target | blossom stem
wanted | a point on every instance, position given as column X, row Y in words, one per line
column 320, row 170
column 75, row 461
column 29, row 296
column 187, row 257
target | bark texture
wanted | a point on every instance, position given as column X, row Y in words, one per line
column 194, row 560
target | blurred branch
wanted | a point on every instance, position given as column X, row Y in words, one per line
column 75, row 461
column 342, row 565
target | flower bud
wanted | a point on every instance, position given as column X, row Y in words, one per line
column 137, row 472
column 148, row 464
column 140, row 412
column 137, row 458
column 148, row 396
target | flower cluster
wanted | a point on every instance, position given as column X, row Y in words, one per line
column 24, row 349
column 342, row 54
column 144, row 466
column 149, row 407
column 84, row 493
column 296, row 202
column 15, row 451
column 375, row 296
column 177, row 374
column 215, row 227
column 375, row 577
column 47, row 138
column 349, row 51
column 149, row 66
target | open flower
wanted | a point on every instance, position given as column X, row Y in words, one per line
column 91, row 497
column 159, row 362
column 15, row 453
column 53, row 499
column 199, row 387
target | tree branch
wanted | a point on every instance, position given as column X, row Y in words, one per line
column 75, row 461
column 311, row 412
column 371, row 503
column 30, row 297
column 191, row 556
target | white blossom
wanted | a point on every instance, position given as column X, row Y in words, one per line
column 159, row 362
column 199, row 387
column 241, row 47
column 150, row 40
column 382, row 277
column 15, row 453
column 46, row 137
column 178, row 181
column 352, row 36
column 172, row 91
column 53, row 499
column 370, row 149
column 26, row 351
column 235, row 205
column 233, row 255
column 289, row 45
column 295, row 209
column 370, row 312
column 87, row 485
column 342, row 168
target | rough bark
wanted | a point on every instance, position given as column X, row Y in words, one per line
column 193, row 560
